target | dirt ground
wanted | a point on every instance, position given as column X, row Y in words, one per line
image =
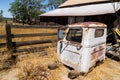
column 34, row 66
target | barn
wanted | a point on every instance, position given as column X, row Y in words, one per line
column 73, row 11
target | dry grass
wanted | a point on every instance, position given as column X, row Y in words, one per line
column 6, row 61
column 2, row 40
column 2, row 28
column 108, row 70
column 38, row 45
column 34, row 66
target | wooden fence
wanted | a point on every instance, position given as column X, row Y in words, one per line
column 12, row 46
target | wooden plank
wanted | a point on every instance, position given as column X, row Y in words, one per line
column 33, row 35
column 2, row 45
column 17, row 44
column 2, row 36
column 37, row 26
column 30, row 35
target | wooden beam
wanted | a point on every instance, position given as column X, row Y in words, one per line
column 25, row 43
column 8, row 37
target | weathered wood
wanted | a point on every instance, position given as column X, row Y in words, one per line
column 32, row 35
column 2, row 45
column 8, row 37
column 2, row 36
column 17, row 44
column 37, row 26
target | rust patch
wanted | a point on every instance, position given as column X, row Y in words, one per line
column 94, row 54
column 75, row 43
column 87, row 30
column 88, row 24
column 97, row 52
column 101, row 51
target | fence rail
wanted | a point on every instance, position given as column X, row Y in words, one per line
column 12, row 46
column 2, row 36
column 36, row 26
column 29, row 35
column 17, row 44
column 2, row 45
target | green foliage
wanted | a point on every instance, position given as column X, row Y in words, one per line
column 53, row 4
column 7, row 19
column 26, row 10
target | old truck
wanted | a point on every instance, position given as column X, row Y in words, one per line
column 84, row 44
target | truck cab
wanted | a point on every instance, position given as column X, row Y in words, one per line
column 83, row 45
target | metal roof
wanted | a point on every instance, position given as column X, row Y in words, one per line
column 76, row 2
column 88, row 24
column 86, row 10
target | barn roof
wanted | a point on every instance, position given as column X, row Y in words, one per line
column 76, row 2
column 86, row 10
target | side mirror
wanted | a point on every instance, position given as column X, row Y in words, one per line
column 60, row 33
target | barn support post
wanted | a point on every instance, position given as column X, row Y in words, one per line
column 9, row 38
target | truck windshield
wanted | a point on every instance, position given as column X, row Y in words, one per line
column 74, row 35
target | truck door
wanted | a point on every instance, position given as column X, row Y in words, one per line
column 98, row 44
column 70, row 53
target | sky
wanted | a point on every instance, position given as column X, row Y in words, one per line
column 5, row 5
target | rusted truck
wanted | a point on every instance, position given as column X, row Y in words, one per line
column 84, row 44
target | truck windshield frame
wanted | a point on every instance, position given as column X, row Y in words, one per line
column 75, row 35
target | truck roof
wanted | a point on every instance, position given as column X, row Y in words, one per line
column 88, row 24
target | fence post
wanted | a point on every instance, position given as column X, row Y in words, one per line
column 9, row 38
column 6, row 21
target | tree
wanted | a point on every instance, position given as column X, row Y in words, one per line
column 53, row 4
column 26, row 10
column 1, row 15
